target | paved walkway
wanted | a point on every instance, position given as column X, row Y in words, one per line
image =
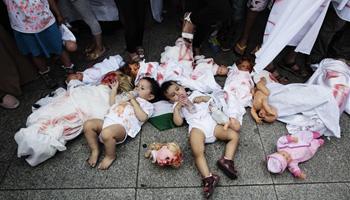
column 67, row 176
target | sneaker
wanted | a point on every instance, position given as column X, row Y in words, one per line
column 49, row 82
column 210, row 184
column 227, row 166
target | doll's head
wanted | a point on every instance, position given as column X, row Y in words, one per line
column 266, row 116
column 131, row 69
column 245, row 64
column 172, row 91
column 125, row 82
column 165, row 154
column 222, row 70
column 74, row 76
column 277, row 162
column 148, row 88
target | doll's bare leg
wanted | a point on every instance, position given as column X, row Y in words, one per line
column 91, row 130
column 197, row 140
column 227, row 135
column 110, row 136
column 234, row 124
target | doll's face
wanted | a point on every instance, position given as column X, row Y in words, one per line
column 164, row 156
column 75, row 76
column 267, row 117
column 134, row 69
column 245, row 66
column 175, row 92
column 222, row 71
column 285, row 156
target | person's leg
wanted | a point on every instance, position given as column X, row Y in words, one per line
column 110, row 136
column 129, row 17
column 140, row 12
column 340, row 48
column 232, row 138
column 197, row 141
column 331, row 25
column 84, row 9
column 91, row 130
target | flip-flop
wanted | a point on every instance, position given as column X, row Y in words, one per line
column 94, row 56
column 239, row 49
column 9, row 102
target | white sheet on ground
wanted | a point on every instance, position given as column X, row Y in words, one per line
column 305, row 107
column 52, row 125
column 334, row 74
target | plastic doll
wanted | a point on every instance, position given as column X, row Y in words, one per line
column 261, row 110
column 165, row 154
column 293, row 149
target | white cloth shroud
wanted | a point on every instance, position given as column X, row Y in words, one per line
column 305, row 107
column 294, row 23
column 52, row 125
column 334, row 74
column 94, row 74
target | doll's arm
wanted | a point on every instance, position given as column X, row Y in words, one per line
column 287, row 139
column 178, row 120
column 267, row 107
column 201, row 99
column 261, row 85
column 296, row 171
column 255, row 115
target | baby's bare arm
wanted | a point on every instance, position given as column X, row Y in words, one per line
column 201, row 99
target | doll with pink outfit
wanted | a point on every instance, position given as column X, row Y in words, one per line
column 292, row 150
column 165, row 154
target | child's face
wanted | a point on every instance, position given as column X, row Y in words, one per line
column 245, row 66
column 222, row 71
column 164, row 156
column 174, row 92
column 144, row 89
column 285, row 156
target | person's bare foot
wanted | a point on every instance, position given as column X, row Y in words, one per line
column 234, row 124
column 93, row 158
column 106, row 162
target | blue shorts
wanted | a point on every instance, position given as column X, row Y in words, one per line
column 44, row 43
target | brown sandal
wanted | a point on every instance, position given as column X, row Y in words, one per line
column 96, row 55
column 239, row 49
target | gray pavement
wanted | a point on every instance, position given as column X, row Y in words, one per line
column 67, row 176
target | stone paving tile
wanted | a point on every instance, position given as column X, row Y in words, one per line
column 330, row 163
column 233, row 192
column 327, row 191
column 248, row 160
column 69, row 169
column 77, row 194
column 3, row 169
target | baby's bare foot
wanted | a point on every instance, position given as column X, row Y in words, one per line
column 93, row 158
column 106, row 162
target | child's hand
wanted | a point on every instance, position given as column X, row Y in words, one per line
column 179, row 105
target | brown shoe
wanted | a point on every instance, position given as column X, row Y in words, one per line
column 228, row 167
column 209, row 184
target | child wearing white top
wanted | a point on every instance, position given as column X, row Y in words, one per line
column 203, row 129
column 124, row 119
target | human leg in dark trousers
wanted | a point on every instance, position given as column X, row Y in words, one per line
column 133, row 18
column 340, row 48
column 205, row 13
column 331, row 25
